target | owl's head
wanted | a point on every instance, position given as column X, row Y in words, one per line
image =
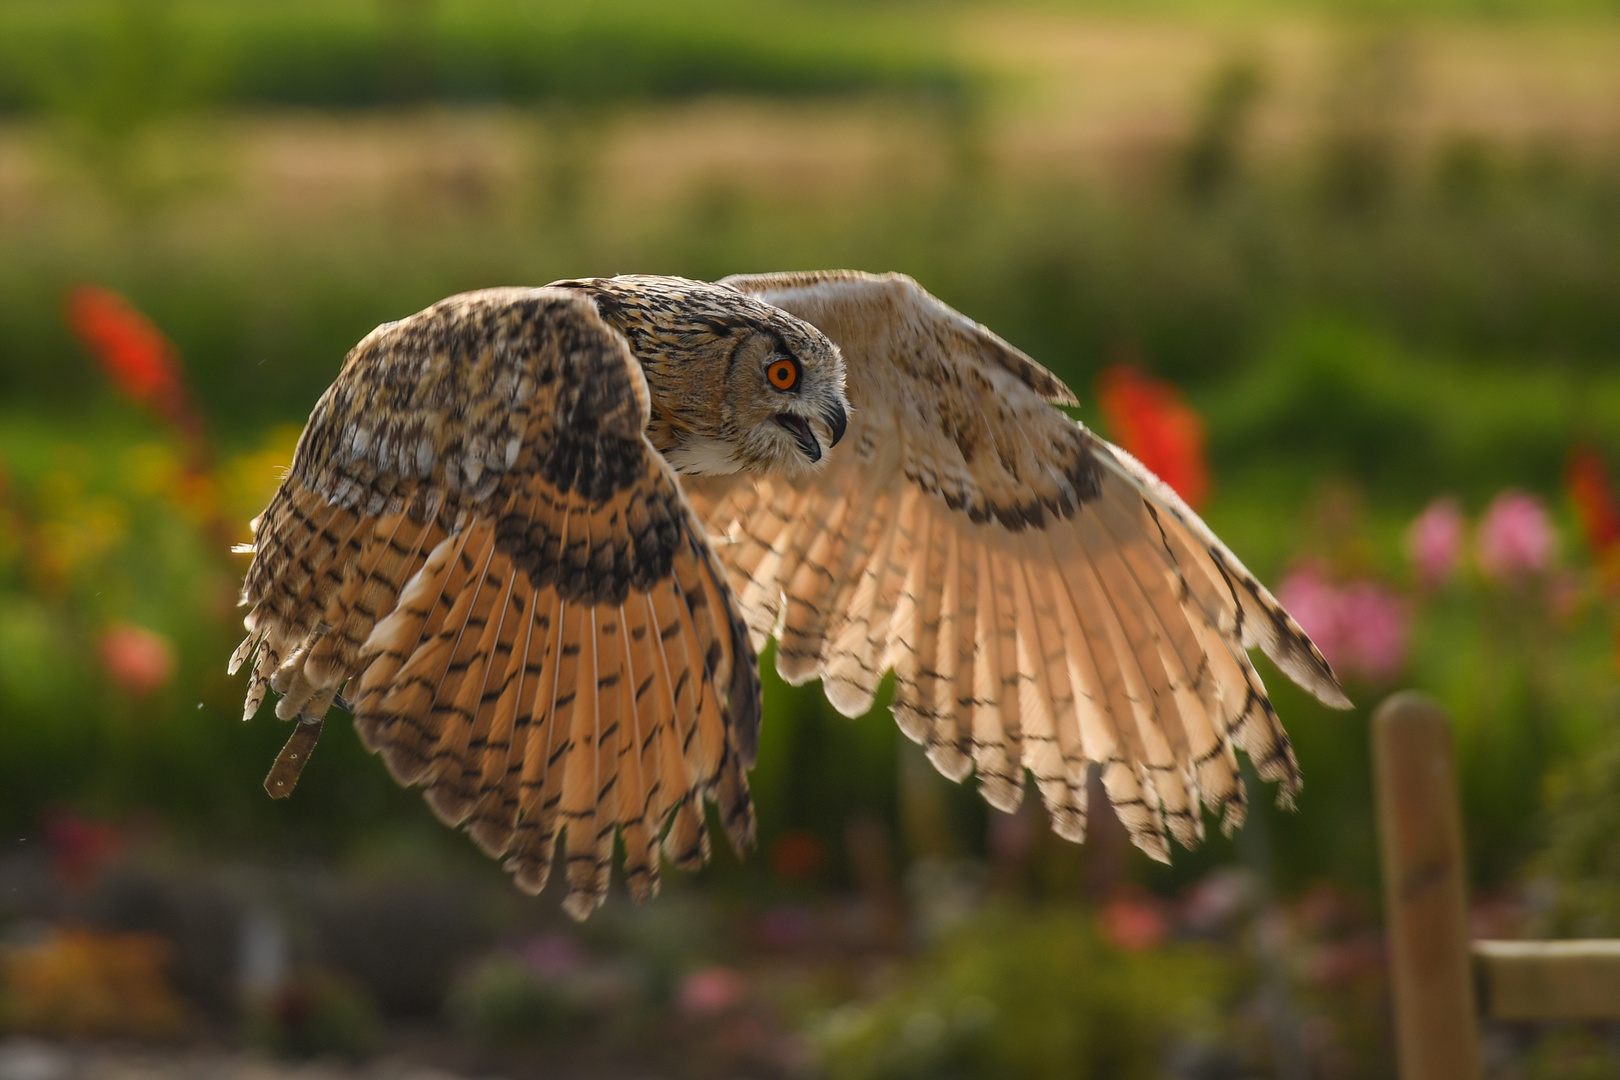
column 736, row 384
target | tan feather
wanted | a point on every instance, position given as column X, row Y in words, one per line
column 914, row 636
column 493, row 764
column 642, row 797
column 864, row 610
column 952, row 750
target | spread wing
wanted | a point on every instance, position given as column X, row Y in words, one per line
column 477, row 538
column 1043, row 601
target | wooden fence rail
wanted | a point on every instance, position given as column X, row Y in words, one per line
column 1441, row 980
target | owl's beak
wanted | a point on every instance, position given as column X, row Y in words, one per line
column 837, row 420
column 800, row 430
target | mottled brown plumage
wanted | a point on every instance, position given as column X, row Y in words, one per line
column 484, row 546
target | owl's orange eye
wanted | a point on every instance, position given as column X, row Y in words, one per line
column 784, row 374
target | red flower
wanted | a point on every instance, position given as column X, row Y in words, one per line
column 1133, row 924
column 135, row 355
column 79, row 847
column 1150, row 421
column 1588, row 482
column 797, row 856
column 138, row 660
column 1599, row 511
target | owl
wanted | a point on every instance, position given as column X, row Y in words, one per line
column 534, row 538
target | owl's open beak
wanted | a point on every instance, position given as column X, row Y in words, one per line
column 800, row 430
column 837, row 420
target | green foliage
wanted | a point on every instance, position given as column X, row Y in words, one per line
column 315, row 1014
column 503, row 1001
column 116, row 57
column 1030, row 994
column 1581, row 859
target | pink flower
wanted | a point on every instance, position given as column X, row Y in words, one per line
column 138, row 660
column 1434, row 541
column 1515, row 537
column 1373, row 625
column 712, row 990
column 1360, row 626
column 553, row 956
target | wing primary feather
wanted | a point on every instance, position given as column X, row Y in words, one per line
column 683, row 845
column 852, row 665
column 540, row 784
column 327, row 663
column 995, row 712
column 1212, row 773
column 1047, row 706
column 638, row 799
column 947, row 748
column 1117, row 746
column 393, row 640
column 916, row 673
column 583, row 782
column 1165, row 733
column 413, row 705
column 490, row 823
column 1148, row 688
column 466, row 727
column 798, row 647
column 499, row 765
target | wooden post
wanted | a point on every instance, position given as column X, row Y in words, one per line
column 1425, row 899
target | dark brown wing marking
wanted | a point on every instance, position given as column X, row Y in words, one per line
column 478, row 541
column 1043, row 601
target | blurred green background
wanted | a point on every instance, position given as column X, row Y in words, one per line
column 1375, row 246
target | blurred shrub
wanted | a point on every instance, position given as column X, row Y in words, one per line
column 504, row 1001
column 1571, row 1052
column 360, row 53
column 315, row 1013
column 546, row 990
column 1581, row 857
column 80, row 983
column 1034, row 995
column 1212, row 156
